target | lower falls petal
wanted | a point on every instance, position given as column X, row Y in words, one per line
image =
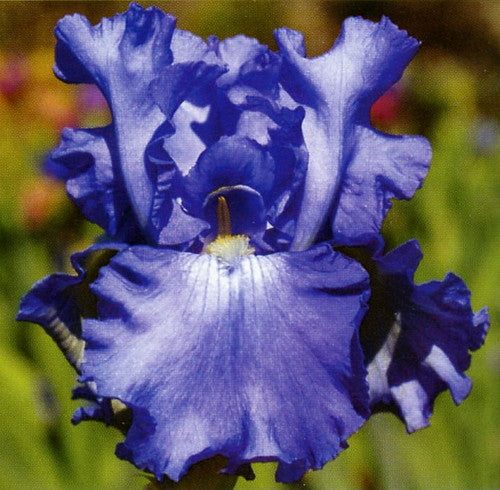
column 256, row 361
column 60, row 301
column 417, row 338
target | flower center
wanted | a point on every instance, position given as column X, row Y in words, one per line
column 227, row 247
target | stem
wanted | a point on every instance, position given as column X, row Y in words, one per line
column 201, row 476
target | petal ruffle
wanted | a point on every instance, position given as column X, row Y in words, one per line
column 383, row 167
column 249, row 63
column 85, row 158
column 286, row 146
column 188, row 48
column 258, row 181
column 256, row 362
column 59, row 301
column 179, row 81
column 419, row 346
column 337, row 90
column 167, row 223
column 122, row 55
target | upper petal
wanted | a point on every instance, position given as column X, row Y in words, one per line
column 249, row 63
column 382, row 167
column 187, row 47
column 337, row 89
column 285, row 143
column 179, row 81
column 256, row 362
column 167, row 223
column 89, row 169
column 122, row 56
column 419, row 346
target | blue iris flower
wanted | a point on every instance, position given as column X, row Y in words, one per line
column 215, row 312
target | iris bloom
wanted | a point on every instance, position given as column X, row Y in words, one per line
column 215, row 312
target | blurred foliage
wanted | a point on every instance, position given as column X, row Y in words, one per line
column 449, row 94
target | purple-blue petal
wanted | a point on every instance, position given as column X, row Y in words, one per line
column 253, row 71
column 180, row 81
column 337, row 90
column 168, row 222
column 256, row 361
column 382, row 167
column 99, row 409
column 286, row 146
column 424, row 338
column 241, row 170
column 249, row 63
column 186, row 143
column 85, row 160
column 122, row 55
column 59, row 301
column 187, row 47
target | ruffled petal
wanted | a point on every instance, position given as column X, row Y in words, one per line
column 285, row 142
column 187, row 47
column 383, row 167
column 229, row 162
column 187, row 120
column 85, row 162
column 256, row 361
column 180, row 81
column 168, row 224
column 258, row 181
column 122, row 55
column 207, row 114
column 249, row 63
column 419, row 345
column 190, row 49
column 337, row 90
column 59, row 301
column 252, row 71
column 99, row 409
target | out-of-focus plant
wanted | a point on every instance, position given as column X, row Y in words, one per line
column 452, row 102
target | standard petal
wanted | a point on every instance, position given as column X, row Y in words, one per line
column 85, row 156
column 249, row 63
column 286, row 146
column 417, row 338
column 252, row 71
column 337, row 90
column 59, row 301
column 187, row 47
column 179, row 81
column 258, row 361
column 168, row 223
column 122, row 55
column 383, row 167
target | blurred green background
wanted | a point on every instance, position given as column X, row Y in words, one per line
column 450, row 94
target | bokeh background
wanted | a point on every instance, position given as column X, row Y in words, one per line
column 450, row 94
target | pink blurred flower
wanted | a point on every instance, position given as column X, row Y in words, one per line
column 13, row 75
column 386, row 108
